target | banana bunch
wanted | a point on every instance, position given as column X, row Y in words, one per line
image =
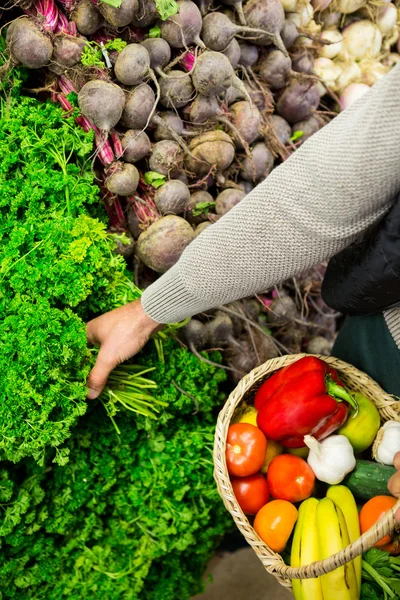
column 323, row 528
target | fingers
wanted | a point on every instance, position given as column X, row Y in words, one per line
column 99, row 374
column 91, row 334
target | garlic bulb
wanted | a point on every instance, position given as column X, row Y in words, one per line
column 387, row 443
column 332, row 459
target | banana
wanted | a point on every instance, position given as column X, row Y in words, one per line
column 343, row 498
column 349, row 569
column 295, row 553
column 309, row 551
column 335, row 585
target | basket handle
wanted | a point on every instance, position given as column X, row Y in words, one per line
column 383, row 527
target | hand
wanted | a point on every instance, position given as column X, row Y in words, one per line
column 394, row 482
column 121, row 334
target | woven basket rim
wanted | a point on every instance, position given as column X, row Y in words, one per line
column 389, row 409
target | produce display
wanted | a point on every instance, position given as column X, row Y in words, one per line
column 313, row 493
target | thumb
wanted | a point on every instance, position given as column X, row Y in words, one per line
column 99, row 374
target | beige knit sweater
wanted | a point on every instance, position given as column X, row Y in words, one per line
column 324, row 197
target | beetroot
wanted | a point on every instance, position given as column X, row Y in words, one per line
column 319, row 345
column 176, row 90
column 119, row 17
column 213, row 75
column 87, row 18
column 202, row 109
column 172, row 122
column 289, row 34
column 202, row 227
column 275, row 69
column 308, row 127
column 28, row 45
column 102, row 103
column 199, row 197
column 247, row 121
column 183, row 29
column 211, row 149
column 194, row 334
column 165, row 158
column 172, row 197
column 298, row 101
column 281, row 129
column 146, row 15
column 269, row 16
column 220, row 330
column 67, row 52
column 123, row 179
column 124, row 244
column 138, row 107
column 159, row 51
column 161, row 245
column 260, row 165
column 248, row 55
column 303, row 62
column 227, row 199
column 136, row 145
column 218, row 31
column 232, row 53
column 132, row 64
column 238, row 5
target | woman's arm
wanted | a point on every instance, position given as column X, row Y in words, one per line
column 321, row 199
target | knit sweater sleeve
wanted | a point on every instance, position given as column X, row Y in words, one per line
column 321, row 199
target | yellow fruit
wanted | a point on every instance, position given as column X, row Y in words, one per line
column 361, row 427
column 247, row 414
column 302, row 452
column 273, row 449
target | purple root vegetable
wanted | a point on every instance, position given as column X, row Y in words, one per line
column 249, row 55
column 247, row 121
column 269, row 16
column 281, row 129
column 227, row 199
column 218, row 31
column 220, row 330
column 122, row 16
column 281, row 309
column 136, row 145
column 289, row 34
column 298, row 101
column 232, row 53
column 303, row 62
column 176, row 90
column 166, row 158
column 67, row 52
column 203, row 108
column 261, row 98
column 202, row 227
column 319, row 345
column 260, row 165
column 238, row 6
column 86, row 17
column 159, row 51
column 132, row 64
column 275, row 69
column 124, row 244
column 28, row 45
column 246, row 186
column 102, row 103
column 213, row 75
column 183, row 29
column 213, row 149
column 308, row 127
column 138, row 107
column 172, row 121
column 146, row 15
column 134, row 225
column 161, row 245
column 172, row 197
column 195, row 335
column 232, row 95
column 199, row 197
column 122, row 179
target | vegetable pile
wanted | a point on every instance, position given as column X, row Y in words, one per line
column 297, row 462
column 191, row 105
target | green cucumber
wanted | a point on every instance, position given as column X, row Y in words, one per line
column 369, row 479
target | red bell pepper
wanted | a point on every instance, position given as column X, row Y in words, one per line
column 305, row 398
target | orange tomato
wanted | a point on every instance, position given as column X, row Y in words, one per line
column 246, row 447
column 274, row 523
column 290, row 478
column 374, row 510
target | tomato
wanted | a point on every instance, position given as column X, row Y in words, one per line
column 246, row 448
column 290, row 478
column 274, row 523
column 251, row 492
column 374, row 510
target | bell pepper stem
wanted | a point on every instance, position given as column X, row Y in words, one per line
column 339, row 393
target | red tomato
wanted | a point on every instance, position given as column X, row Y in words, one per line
column 246, row 448
column 290, row 478
column 251, row 492
column 274, row 523
column 371, row 512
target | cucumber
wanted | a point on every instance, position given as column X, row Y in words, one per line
column 369, row 479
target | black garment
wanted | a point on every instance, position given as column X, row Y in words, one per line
column 365, row 277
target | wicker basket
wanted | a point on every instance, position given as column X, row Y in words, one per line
column 389, row 409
